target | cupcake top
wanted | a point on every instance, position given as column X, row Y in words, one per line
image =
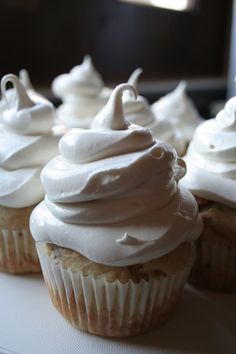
column 83, row 94
column 26, row 145
column 112, row 195
column 177, row 108
column 211, row 158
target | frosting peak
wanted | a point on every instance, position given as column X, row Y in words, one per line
column 90, row 80
column 112, row 115
column 177, row 116
column 25, row 79
column 83, row 94
column 226, row 118
column 134, row 77
column 24, row 116
column 174, row 103
column 180, row 90
column 22, row 100
column 83, row 79
column 115, row 135
column 138, row 111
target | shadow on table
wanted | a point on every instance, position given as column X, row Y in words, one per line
column 204, row 322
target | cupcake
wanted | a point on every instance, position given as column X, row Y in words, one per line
column 26, row 145
column 178, row 117
column 114, row 232
column 211, row 161
column 83, row 94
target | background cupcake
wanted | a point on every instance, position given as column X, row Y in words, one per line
column 83, row 94
column 114, row 231
column 26, row 145
column 211, row 161
column 140, row 112
column 178, row 118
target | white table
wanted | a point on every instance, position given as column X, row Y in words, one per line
column 204, row 322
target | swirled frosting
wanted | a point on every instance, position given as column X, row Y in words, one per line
column 26, row 145
column 177, row 110
column 112, row 194
column 211, row 158
column 83, row 94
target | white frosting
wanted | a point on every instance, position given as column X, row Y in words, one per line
column 83, row 94
column 138, row 111
column 26, row 145
column 178, row 116
column 112, row 194
column 10, row 93
column 211, row 158
column 33, row 94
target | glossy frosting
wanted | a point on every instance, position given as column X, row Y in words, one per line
column 112, row 194
column 26, row 144
column 138, row 111
column 211, row 158
column 10, row 93
column 83, row 94
column 177, row 111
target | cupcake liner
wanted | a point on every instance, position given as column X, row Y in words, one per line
column 18, row 252
column 215, row 266
column 107, row 308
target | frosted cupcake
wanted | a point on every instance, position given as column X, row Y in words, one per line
column 83, row 94
column 178, row 117
column 211, row 161
column 26, row 145
column 114, row 233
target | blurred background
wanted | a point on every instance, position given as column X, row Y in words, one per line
column 193, row 41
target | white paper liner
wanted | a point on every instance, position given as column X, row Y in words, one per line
column 111, row 308
column 18, row 252
column 215, row 266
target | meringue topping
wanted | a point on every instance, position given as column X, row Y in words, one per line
column 177, row 112
column 83, row 94
column 112, row 194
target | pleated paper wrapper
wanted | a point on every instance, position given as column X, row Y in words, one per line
column 18, row 252
column 215, row 266
column 111, row 309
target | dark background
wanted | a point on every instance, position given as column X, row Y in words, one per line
column 50, row 37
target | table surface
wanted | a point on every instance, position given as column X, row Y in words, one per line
column 204, row 322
